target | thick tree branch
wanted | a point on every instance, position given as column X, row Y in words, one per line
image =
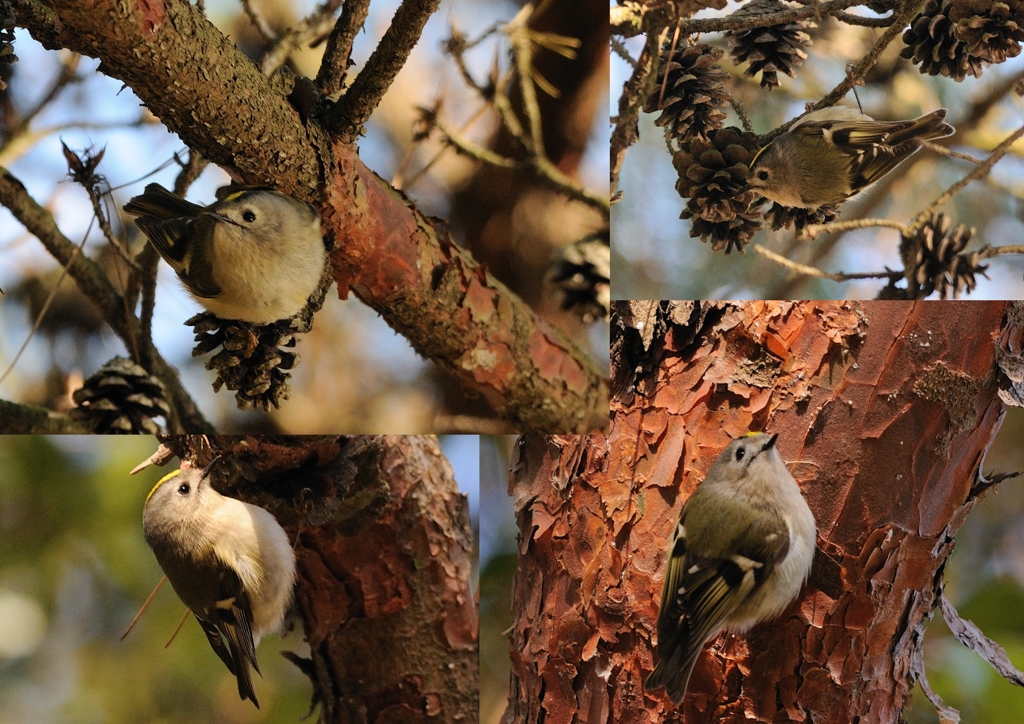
column 394, row 258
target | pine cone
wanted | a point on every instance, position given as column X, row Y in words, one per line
column 772, row 48
column 933, row 260
column 121, row 397
column 713, row 176
column 733, row 234
column 780, row 217
column 582, row 273
column 251, row 361
column 933, row 46
column 694, row 93
column 992, row 29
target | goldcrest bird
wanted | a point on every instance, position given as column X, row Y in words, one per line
column 829, row 155
column 230, row 562
column 255, row 255
column 740, row 554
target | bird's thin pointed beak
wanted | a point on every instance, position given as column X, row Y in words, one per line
column 220, row 217
column 206, row 470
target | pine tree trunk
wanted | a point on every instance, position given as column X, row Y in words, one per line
column 384, row 553
column 885, row 412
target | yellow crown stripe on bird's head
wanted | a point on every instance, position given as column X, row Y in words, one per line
column 235, row 195
column 758, row 155
column 160, row 482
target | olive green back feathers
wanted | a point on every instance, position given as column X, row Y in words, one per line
column 832, row 154
column 739, row 554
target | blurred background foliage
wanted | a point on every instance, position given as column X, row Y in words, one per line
column 356, row 374
column 984, row 581
column 74, row 570
column 654, row 256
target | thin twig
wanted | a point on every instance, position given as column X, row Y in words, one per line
column 474, row 150
column 665, row 75
column 330, row 79
column 518, row 33
column 945, row 151
column 863, row 20
column 399, row 182
column 813, row 230
column 349, row 114
column 177, row 628
column 634, row 92
column 545, row 170
column 620, row 50
column 741, row 112
column 634, row 18
column 308, row 30
column 982, row 170
column 259, row 22
column 899, row 21
column 818, row 273
column 143, row 607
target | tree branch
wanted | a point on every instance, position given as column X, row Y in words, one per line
column 349, row 114
column 93, row 283
column 17, row 419
column 450, row 309
column 633, row 18
column 331, row 77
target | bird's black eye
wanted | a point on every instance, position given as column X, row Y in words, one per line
column 740, row 452
column 249, row 216
column 184, row 489
column 762, row 175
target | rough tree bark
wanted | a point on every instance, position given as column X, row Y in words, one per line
column 393, row 257
column 384, row 555
column 505, row 216
column 886, row 411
